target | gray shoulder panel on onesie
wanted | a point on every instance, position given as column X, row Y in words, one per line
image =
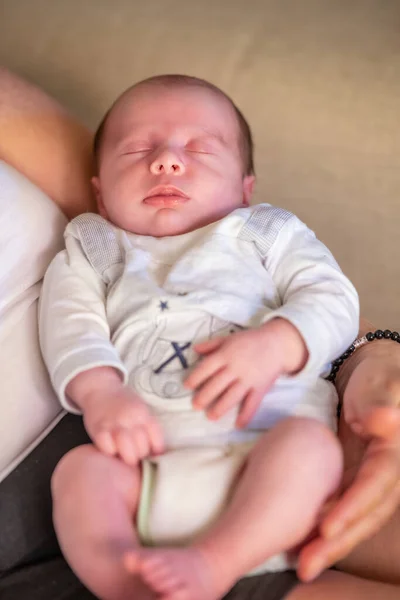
column 99, row 240
column 263, row 227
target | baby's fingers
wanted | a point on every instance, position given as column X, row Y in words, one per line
column 212, row 389
column 249, row 408
column 204, row 370
column 133, row 445
column 209, row 345
column 156, row 438
column 233, row 396
column 105, row 442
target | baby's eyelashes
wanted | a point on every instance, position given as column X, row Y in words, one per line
column 136, row 151
column 195, row 148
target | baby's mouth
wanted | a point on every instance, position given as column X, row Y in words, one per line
column 165, row 195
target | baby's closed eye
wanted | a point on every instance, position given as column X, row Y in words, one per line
column 199, row 147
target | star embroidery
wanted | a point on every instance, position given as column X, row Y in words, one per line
column 163, row 305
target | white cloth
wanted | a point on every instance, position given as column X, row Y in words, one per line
column 138, row 303
column 31, row 233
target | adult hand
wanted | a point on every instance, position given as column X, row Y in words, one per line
column 370, row 433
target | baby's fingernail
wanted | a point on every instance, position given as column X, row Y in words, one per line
column 106, row 441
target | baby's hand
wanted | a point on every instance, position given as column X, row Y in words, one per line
column 118, row 421
column 239, row 369
column 120, row 424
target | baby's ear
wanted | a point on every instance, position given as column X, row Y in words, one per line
column 248, row 189
column 98, row 195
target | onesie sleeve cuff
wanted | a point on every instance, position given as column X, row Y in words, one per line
column 318, row 355
column 80, row 361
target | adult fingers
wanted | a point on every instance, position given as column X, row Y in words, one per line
column 376, row 477
column 322, row 553
column 382, row 422
column 372, row 385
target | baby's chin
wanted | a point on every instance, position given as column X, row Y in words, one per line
column 166, row 222
column 169, row 222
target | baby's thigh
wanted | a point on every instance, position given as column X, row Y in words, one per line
column 86, row 477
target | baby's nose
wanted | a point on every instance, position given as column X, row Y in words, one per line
column 167, row 162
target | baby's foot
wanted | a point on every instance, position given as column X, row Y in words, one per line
column 177, row 574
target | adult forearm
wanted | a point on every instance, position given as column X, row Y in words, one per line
column 45, row 143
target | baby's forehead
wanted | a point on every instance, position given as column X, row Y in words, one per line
column 149, row 106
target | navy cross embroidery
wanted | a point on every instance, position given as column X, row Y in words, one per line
column 178, row 353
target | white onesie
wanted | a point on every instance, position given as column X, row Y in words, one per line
column 139, row 304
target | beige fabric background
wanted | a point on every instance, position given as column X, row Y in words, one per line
column 319, row 81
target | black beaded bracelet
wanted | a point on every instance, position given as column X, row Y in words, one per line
column 368, row 337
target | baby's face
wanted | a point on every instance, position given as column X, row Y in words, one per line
column 170, row 161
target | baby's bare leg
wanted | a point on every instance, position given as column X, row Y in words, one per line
column 95, row 500
column 288, row 476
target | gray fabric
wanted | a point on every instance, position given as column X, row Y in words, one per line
column 99, row 241
column 102, row 248
column 271, row 586
column 26, row 528
column 31, row 565
column 264, row 226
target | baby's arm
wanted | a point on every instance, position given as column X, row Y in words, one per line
column 316, row 297
column 85, row 368
column 316, row 322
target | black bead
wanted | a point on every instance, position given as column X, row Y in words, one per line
column 395, row 335
column 346, row 354
column 338, row 362
column 379, row 334
column 387, row 334
column 335, row 369
column 370, row 336
column 352, row 348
